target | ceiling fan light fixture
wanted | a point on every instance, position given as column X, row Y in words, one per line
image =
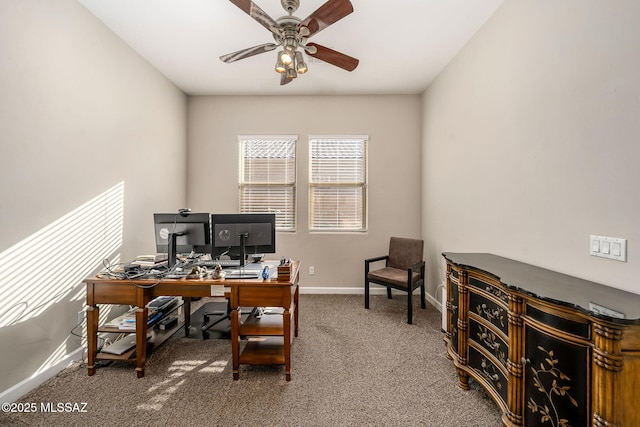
column 301, row 66
column 285, row 57
column 280, row 67
column 291, row 72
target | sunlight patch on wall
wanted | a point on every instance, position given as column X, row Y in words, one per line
column 57, row 355
column 66, row 251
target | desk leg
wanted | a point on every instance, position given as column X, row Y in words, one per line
column 92, row 338
column 235, row 342
column 187, row 315
column 141, row 340
column 295, row 313
column 286, row 323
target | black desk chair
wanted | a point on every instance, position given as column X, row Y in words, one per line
column 404, row 271
column 223, row 315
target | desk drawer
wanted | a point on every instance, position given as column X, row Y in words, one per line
column 264, row 296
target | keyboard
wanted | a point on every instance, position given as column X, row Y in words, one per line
column 223, row 263
column 242, row 274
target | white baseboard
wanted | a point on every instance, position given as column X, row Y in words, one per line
column 360, row 291
column 23, row 387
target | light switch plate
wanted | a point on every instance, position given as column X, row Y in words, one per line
column 608, row 247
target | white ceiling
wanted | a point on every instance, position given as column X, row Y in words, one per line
column 402, row 45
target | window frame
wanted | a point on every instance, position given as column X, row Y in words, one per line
column 364, row 185
column 242, row 184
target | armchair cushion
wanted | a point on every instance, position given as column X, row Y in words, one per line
column 394, row 276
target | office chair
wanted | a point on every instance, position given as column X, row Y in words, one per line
column 206, row 316
column 404, row 271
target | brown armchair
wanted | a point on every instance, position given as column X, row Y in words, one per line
column 404, row 271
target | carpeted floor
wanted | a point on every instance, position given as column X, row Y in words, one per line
column 350, row 367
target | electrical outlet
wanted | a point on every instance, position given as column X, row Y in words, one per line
column 80, row 317
column 312, row 271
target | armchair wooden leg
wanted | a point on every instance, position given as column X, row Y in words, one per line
column 423, row 304
column 409, row 307
column 388, row 292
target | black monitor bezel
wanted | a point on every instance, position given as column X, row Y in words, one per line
column 175, row 220
column 236, row 251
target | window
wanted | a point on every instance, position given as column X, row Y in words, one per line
column 338, row 183
column 268, row 177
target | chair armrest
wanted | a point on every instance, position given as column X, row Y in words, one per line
column 378, row 258
column 416, row 266
column 370, row 260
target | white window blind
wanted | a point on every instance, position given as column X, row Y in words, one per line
column 338, row 183
column 268, row 178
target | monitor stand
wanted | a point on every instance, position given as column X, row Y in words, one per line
column 243, row 250
column 172, row 256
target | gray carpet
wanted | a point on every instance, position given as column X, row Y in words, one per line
column 350, row 367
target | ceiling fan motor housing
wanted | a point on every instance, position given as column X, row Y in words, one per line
column 290, row 5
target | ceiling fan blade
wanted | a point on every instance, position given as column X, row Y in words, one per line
column 245, row 53
column 330, row 12
column 254, row 11
column 333, row 57
column 284, row 79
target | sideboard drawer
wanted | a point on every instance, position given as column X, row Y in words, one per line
column 489, row 371
column 496, row 291
column 489, row 339
column 488, row 309
column 579, row 327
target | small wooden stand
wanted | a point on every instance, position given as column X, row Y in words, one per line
column 284, row 272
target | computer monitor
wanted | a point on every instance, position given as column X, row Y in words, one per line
column 182, row 232
column 236, row 235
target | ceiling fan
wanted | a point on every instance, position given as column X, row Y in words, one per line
column 291, row 33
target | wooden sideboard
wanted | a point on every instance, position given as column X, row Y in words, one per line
column 534, row 339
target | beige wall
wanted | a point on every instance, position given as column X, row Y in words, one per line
column 393, row 126
column 92, row 143
column 532, row 139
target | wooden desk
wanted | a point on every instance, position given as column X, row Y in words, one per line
column 241, row 292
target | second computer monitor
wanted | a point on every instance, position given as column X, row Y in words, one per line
column 258, row 231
